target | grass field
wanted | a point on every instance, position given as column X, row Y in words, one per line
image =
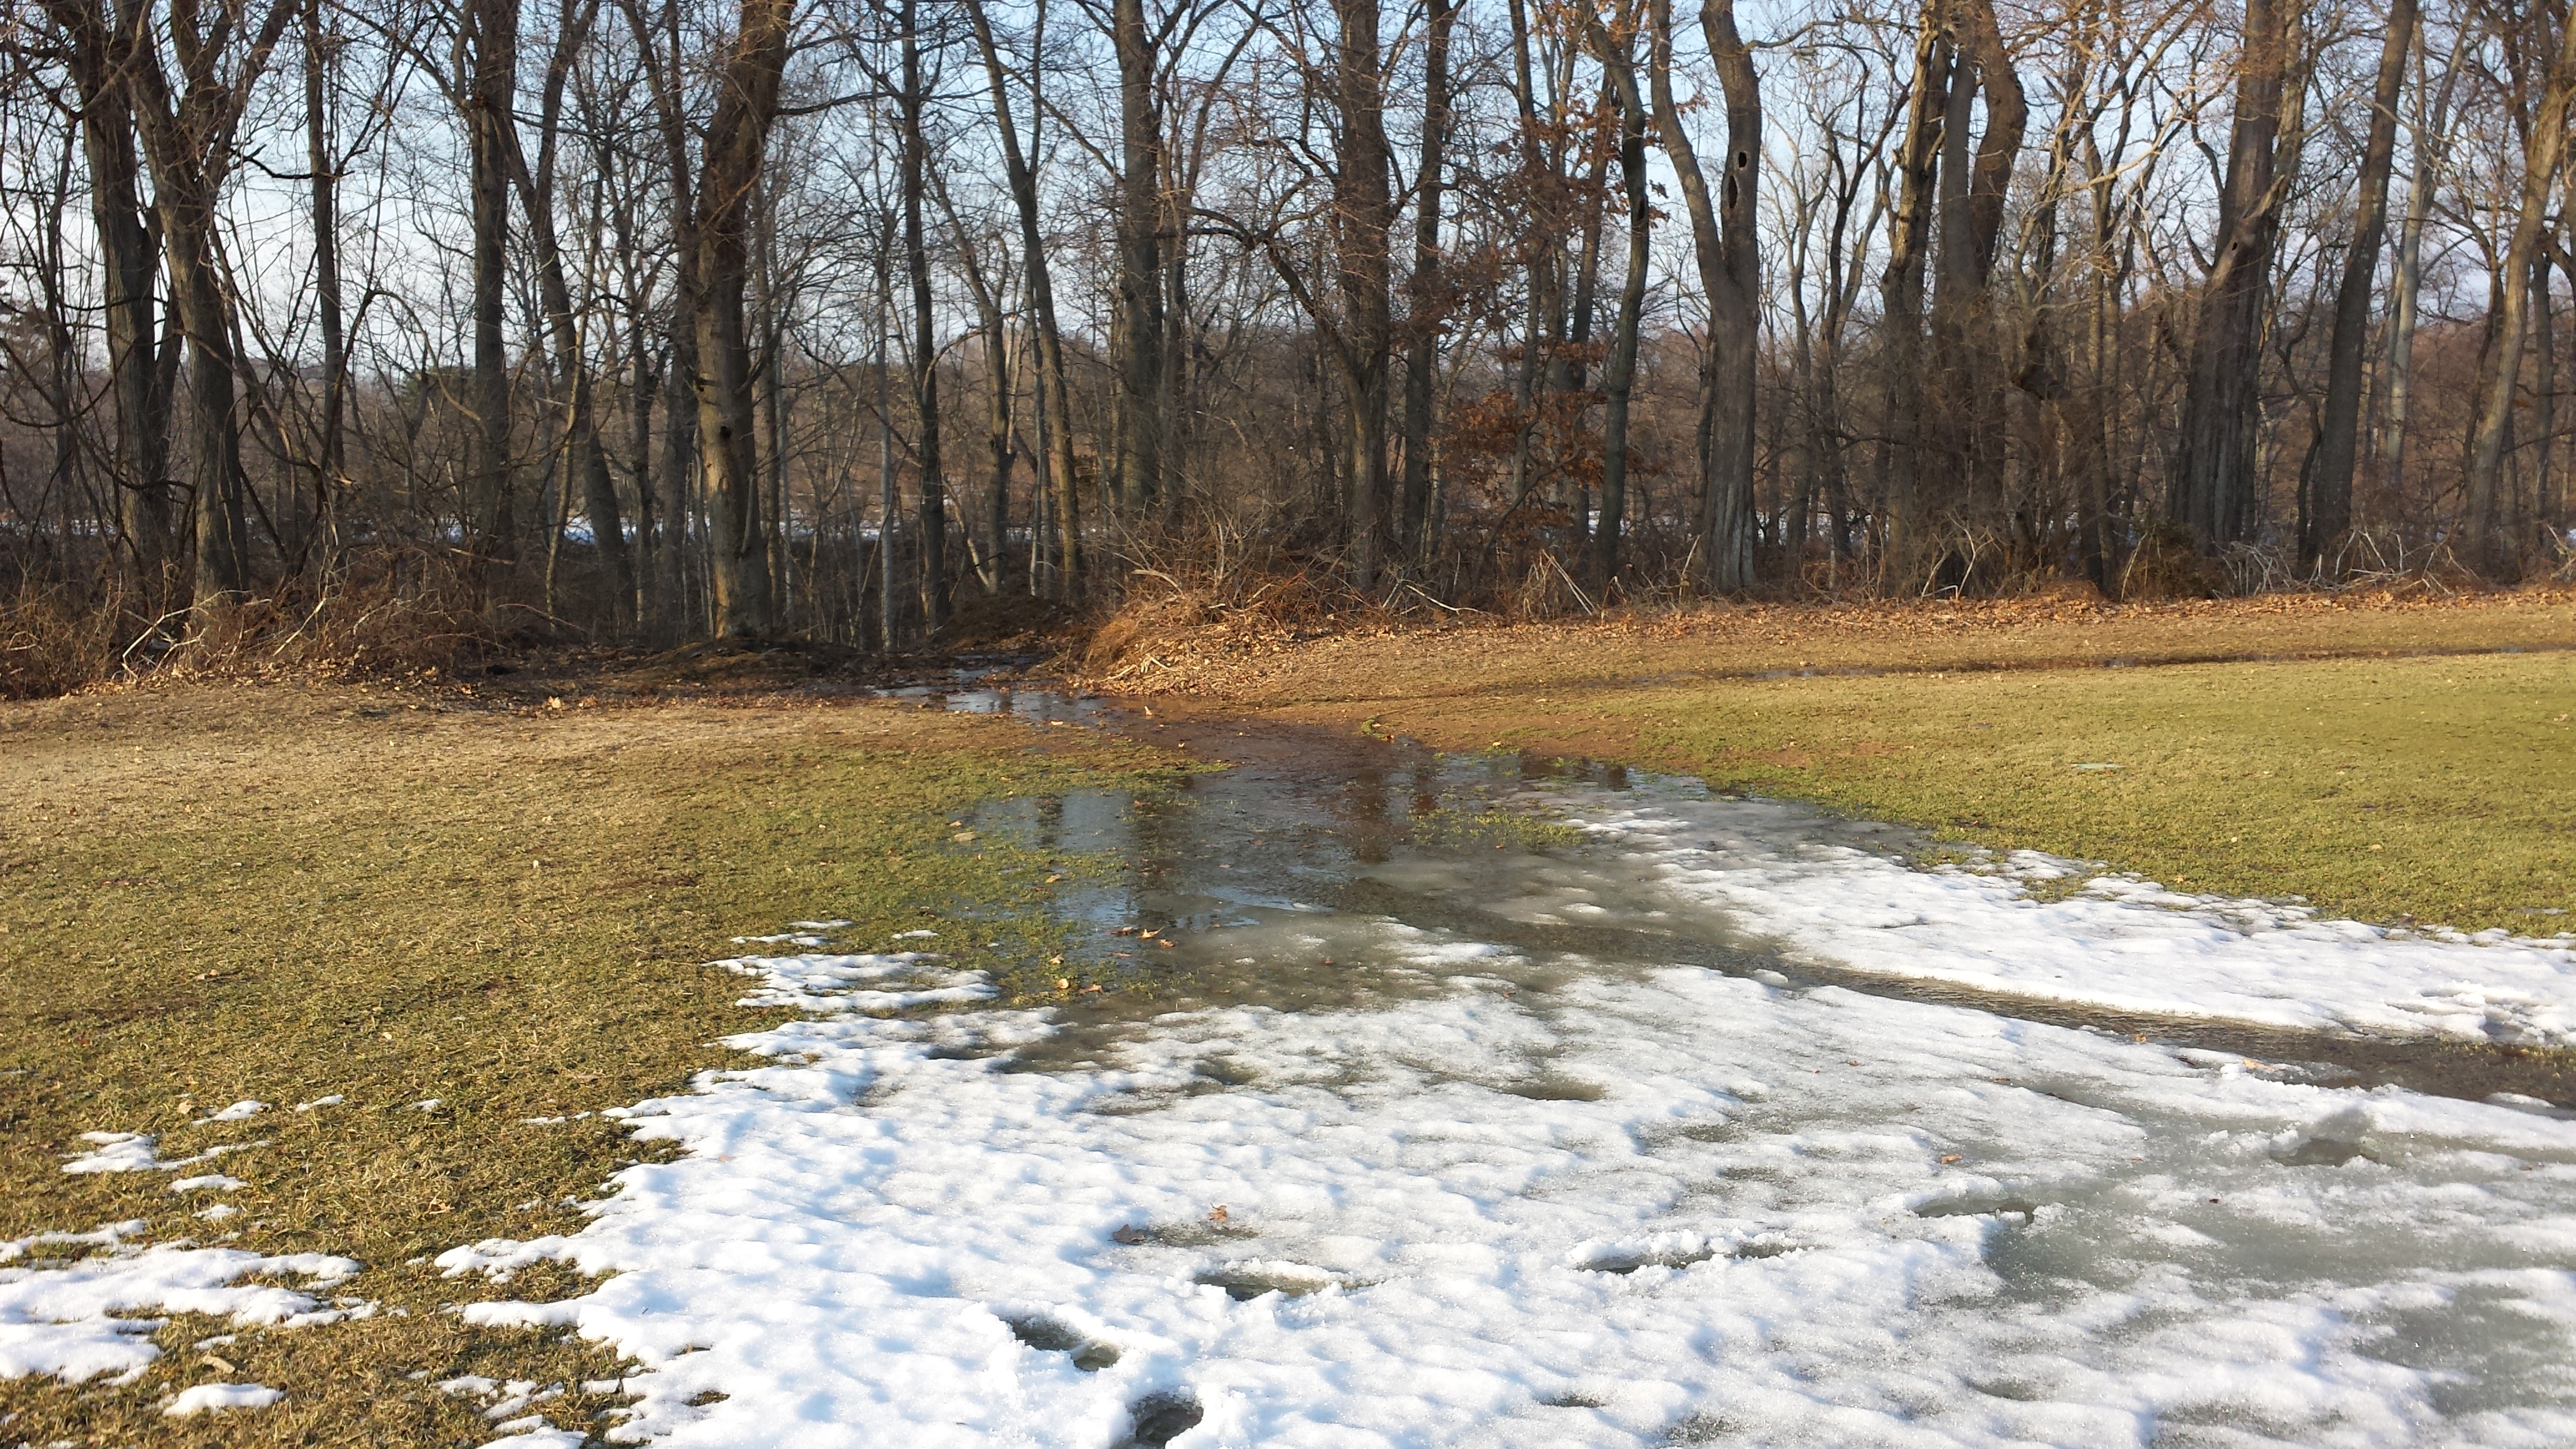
column 209, row 895
column 212, row 894
column 2324, row 760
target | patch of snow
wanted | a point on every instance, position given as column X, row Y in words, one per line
column 1774, row 1214
column 2119, row 942
column 889, row 982
column 518, row 1397
column 203, row 1398
column 139, row 1152
column 500, row 1258
column 518, row 1315
column 59, row 1318
column 427, row 1104
column 218, row 1212
column 334, row 1100
column 505, row 1407
column 539, row 1439
column 116, row 1152
column 241, row 1111
column 107, row 1235
column 213, row 1181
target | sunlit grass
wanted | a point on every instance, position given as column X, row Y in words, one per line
column 280, row 895
column 2436, row 789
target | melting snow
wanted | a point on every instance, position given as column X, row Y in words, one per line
column 1607, row 1209
column 203, row 1397
column 241, row 1111
column 891, row 982
column 2122, row 943
column 56, row 1318
column 139, row 1152
column 214, row 1181
column 117, row 1152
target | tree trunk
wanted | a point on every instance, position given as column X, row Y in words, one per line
column 1140, row 293
column 737, row 139
column 2215, row 488
column 585, row 457
column 2403, row 310
column 187, row 139
column 925, row 342
column 488, row 91
column 1727, row 522
column 1973, row 186
column 139, row 470
column 329, row 465
column 1055, row 409
column 2544, row 402
column 2548, row 145
column 1363, row 215
column 1901, row 285
column 1619, row 369
column 652, row 539
column 1426, row 307
column 2329, row 515
column 889, row 502
column 997, row 438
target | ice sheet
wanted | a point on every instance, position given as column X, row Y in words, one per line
column 1633, row 1209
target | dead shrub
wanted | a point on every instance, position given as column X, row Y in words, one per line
column 53, row 642
column 2167, row 565
column 361, row 625
column 376, row 618
column 1173, row 619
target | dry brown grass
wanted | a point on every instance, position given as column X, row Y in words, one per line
column 210, row 893
column 2383, row 755
column 1177, row 645
column 370, row 625
column 52, row 642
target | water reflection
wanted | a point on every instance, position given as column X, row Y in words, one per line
column 1327, row 871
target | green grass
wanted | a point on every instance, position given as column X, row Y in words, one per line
column 213, row 895
column 2434, row 789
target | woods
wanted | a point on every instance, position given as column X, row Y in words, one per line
column 656, row 320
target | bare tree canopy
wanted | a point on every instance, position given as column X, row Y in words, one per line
column 824, row 319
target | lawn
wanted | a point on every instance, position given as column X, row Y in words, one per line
column 453, row 917
column 2332, row 764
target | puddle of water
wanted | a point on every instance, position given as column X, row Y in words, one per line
column 1306, row 880
column 1270, row 884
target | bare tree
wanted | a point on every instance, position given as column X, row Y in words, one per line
column 2214, row 491
column 2329, row 514
column 187, row 135
column 737, row 137
column 2543, row 155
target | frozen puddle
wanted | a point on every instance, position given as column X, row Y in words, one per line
column 1533, row 1206
column 1723, row 1126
